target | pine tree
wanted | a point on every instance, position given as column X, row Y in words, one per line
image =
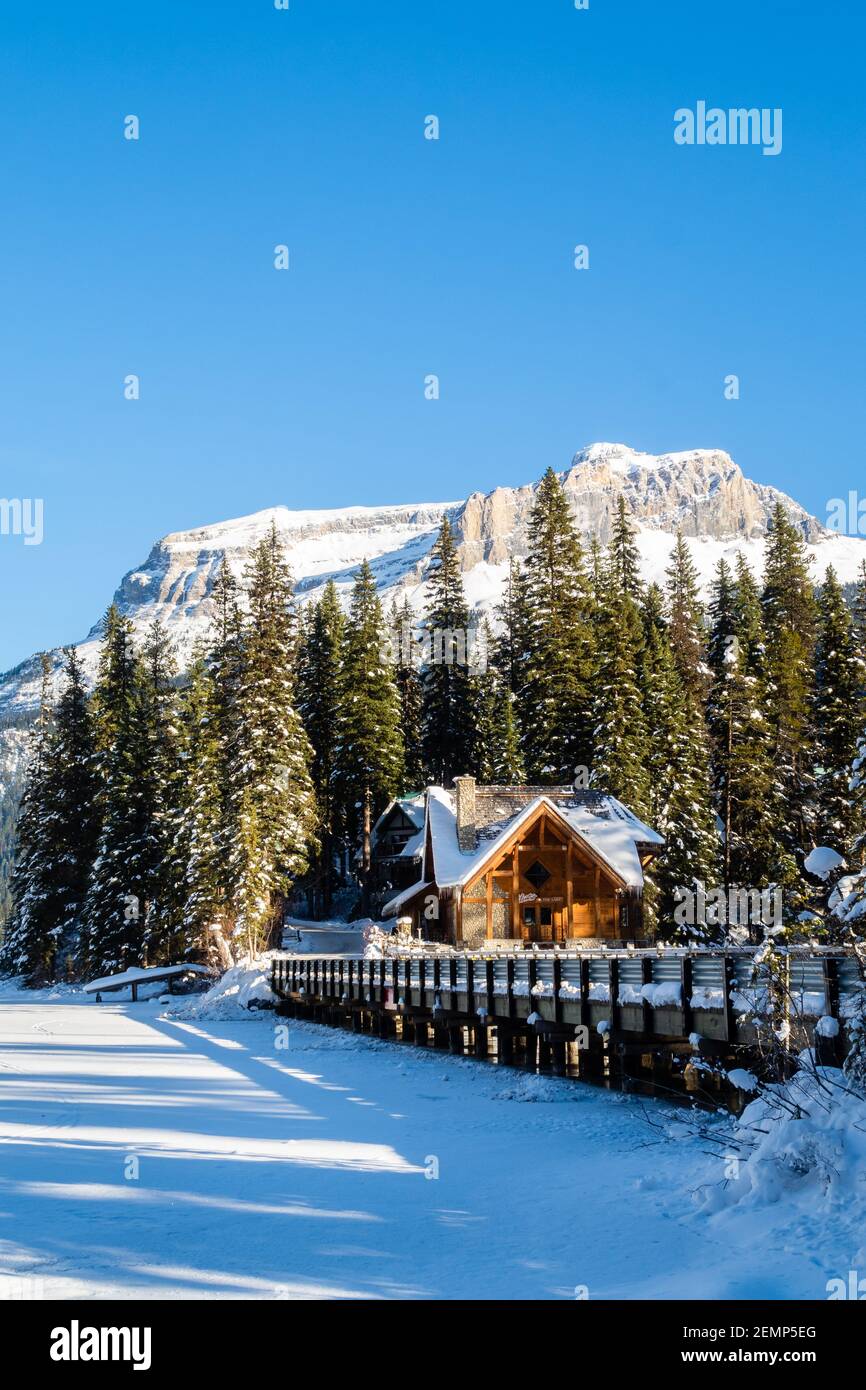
column 623, row 556
column 408, row 680
column 272, row 809
column 195, row 854
column 838, row 714
column 28, row 946
column 226, row 666
column 510, row 646
column 789, row 609
column 859, row 609
column 73, row 797
column 678, row 771
column 619, row 764
column 686, row 619
column 448, row 735
column 496, row 757
column 120, row 888
column 157, row 709
column 558, row 662
column 370, row 754
column 597, row 575
column 319, row 703
column 742, row 767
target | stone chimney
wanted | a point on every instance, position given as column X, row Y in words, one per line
column 465, row 796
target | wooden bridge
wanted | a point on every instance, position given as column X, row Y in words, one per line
column 672, row 1016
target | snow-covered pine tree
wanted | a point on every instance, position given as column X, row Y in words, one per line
column 742, row 767
column 73, row 798
column 620, row 756
column 790, row 614
column 554, row 700
column 838, row 715
column 225, row 665
column 511, row 642
column 119, row 892
column 272, row 802
column 619, row 726
column 158, row 711
column 496, row 755
column 597, row 573
column 28, row 945
column 370, row 753
column 622, row 569
column 686, row 620
column 448, row 735
column 319, row 704
column 859, row 609
column 408, row 679
column 678, row 773
column 196, row 861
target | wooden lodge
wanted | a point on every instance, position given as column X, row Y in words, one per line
column 509, row 865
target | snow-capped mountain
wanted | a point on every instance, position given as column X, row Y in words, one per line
column 702, row 491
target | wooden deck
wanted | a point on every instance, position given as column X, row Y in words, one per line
column 646, row 1014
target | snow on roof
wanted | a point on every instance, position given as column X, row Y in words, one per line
column 413, row 846
column 393, row 905
column 412, row 808
column 604, row 824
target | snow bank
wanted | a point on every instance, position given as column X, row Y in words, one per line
column 244, row 987
column 801, row 1143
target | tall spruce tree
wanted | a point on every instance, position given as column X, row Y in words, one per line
column 511, row 643
column 319, row 703
column 838, row 715
column 558, row 661
column 789, row 608
column 679, row 798
column 619, row 763
column 28, row 945
column 273, row 812
column 623, row 556
column 121, row 883
column 619, row 725
column 496, row 757
column 686, row 620
column 742, row 766
column 408, row 679
column 195, row 855
column 73, row 821
column 370, row 753
column 448, row 735
column 158, row 714
column 226, row 665
column 859, row 609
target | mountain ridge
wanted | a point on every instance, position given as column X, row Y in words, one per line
column 703, row 492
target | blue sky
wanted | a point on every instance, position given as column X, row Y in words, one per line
column 408, row 257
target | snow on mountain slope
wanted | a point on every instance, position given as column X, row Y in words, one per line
column 701, row 491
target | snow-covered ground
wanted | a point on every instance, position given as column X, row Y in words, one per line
column 146, row 1153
